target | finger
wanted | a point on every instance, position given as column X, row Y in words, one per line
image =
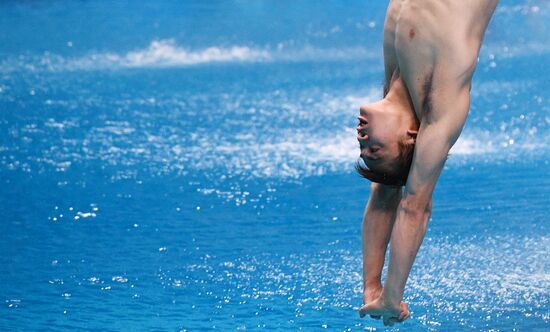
column 405, row 313
column 402, row 319
column 362, row 311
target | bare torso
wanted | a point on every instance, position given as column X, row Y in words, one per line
column 430, row 41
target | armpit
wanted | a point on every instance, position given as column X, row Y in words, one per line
column 427, row 95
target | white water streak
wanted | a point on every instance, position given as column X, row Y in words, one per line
column 166, row 53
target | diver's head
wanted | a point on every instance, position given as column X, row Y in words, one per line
column 386, row 133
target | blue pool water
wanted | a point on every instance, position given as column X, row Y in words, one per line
column 189, row 165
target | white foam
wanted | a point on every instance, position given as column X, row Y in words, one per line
column 167, row 53
column 469, row 145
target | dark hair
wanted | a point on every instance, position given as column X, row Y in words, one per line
column 402, row 167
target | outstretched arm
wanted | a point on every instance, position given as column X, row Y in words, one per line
column 380, row 212
column 376, row 230
column 437, row 134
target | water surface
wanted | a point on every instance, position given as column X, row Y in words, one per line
column 187, row 166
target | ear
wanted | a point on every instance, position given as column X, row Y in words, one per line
column 411, row 136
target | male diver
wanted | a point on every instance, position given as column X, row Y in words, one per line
column 430, row 54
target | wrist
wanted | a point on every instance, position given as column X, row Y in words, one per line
column 392, row 299
column 372, row 284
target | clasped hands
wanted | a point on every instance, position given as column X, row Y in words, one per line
column 377, row 305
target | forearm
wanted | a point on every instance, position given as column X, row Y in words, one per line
column 407, row 235
column 377, row 225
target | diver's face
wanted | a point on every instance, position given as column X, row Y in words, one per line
column 379, row 131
